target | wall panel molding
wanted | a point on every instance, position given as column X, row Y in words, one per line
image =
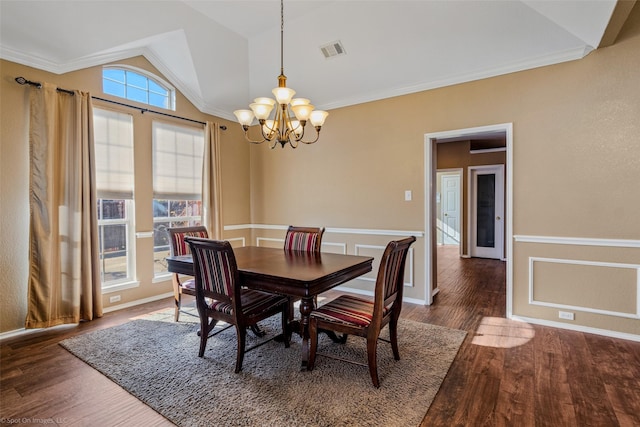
column 587, row 309
column 578, row 241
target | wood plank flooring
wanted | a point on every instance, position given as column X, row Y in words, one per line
column 505, row 374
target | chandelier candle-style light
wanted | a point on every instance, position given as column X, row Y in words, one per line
column 282, row 129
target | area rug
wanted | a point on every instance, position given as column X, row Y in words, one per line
column 156, row 360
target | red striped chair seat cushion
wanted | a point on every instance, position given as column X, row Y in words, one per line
column 252, row 302
column 347, row 310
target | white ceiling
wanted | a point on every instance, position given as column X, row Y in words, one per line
column 222, row 54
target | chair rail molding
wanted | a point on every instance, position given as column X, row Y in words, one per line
column 578, row 241
column 369, row 231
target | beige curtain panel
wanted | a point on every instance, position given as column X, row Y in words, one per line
column 64, row 277
column 212, row 182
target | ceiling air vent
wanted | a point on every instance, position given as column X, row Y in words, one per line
column 333, row 49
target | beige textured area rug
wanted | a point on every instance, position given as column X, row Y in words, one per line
column 156, row 360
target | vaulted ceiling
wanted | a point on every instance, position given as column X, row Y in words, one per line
column 222, row 54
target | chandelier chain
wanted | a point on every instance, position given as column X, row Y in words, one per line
column 281, row 36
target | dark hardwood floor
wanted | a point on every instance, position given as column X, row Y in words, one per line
column 506, row 373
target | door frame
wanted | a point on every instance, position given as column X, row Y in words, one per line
column 472, row 171
column 430, row 167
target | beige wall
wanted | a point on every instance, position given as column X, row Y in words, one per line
column 576, row 168
column 14, row 181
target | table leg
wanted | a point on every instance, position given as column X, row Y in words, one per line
column 306, row 307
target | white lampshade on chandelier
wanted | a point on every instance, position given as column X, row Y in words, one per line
column 282, row 128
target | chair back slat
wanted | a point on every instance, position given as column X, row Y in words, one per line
column 390, row 280
column 177, row 234
column 178, row 245
column 303, row 239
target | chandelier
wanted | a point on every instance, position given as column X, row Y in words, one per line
column 283, row 128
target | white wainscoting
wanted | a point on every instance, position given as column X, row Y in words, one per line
column 631, row 244
column 635, row 283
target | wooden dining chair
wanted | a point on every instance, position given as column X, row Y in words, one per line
column 302, row 239
column 179, row 246
column 221, row 296
column 352, row 315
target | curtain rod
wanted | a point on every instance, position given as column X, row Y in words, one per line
column 23, row 81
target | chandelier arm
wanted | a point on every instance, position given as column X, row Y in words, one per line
column 253, row 141
column 317, row 136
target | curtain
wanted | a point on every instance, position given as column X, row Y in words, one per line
column 64, row 277
column 212, row 182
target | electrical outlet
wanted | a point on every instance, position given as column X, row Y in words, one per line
column 114, row 298
column 565, row 315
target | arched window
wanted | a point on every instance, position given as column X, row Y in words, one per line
column 137, row 85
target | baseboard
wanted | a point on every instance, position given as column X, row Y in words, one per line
column 24, row 332
column 137, row 302
column 578, row 328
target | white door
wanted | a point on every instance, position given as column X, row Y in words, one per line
column 450, row 203
column 486, row 193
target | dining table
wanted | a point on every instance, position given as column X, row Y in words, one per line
column 292, row 273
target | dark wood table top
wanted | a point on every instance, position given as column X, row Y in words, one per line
column 291, row 273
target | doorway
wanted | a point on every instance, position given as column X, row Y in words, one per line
column 431, row 188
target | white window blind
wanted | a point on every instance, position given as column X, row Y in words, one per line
column 177, row 162
column 113, row 138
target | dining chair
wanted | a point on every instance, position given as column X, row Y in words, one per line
column 302, row 239
column 352, row 315
column 179, row 246
column 221, row 297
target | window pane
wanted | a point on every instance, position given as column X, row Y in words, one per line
column 113, row 252
column 154, row 87
column 486, row 206
column 160, row 208
column 113, row 74
column 158, row 100
column 161, row 247
column 178, row 208
column 113, row 88
column 113, row 209
column 137, row 95
column 135, row 79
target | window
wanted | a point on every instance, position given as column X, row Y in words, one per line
column 177, row 184
column 137, row 85
column 113, row 134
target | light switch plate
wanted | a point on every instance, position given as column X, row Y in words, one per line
column 407, row 195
